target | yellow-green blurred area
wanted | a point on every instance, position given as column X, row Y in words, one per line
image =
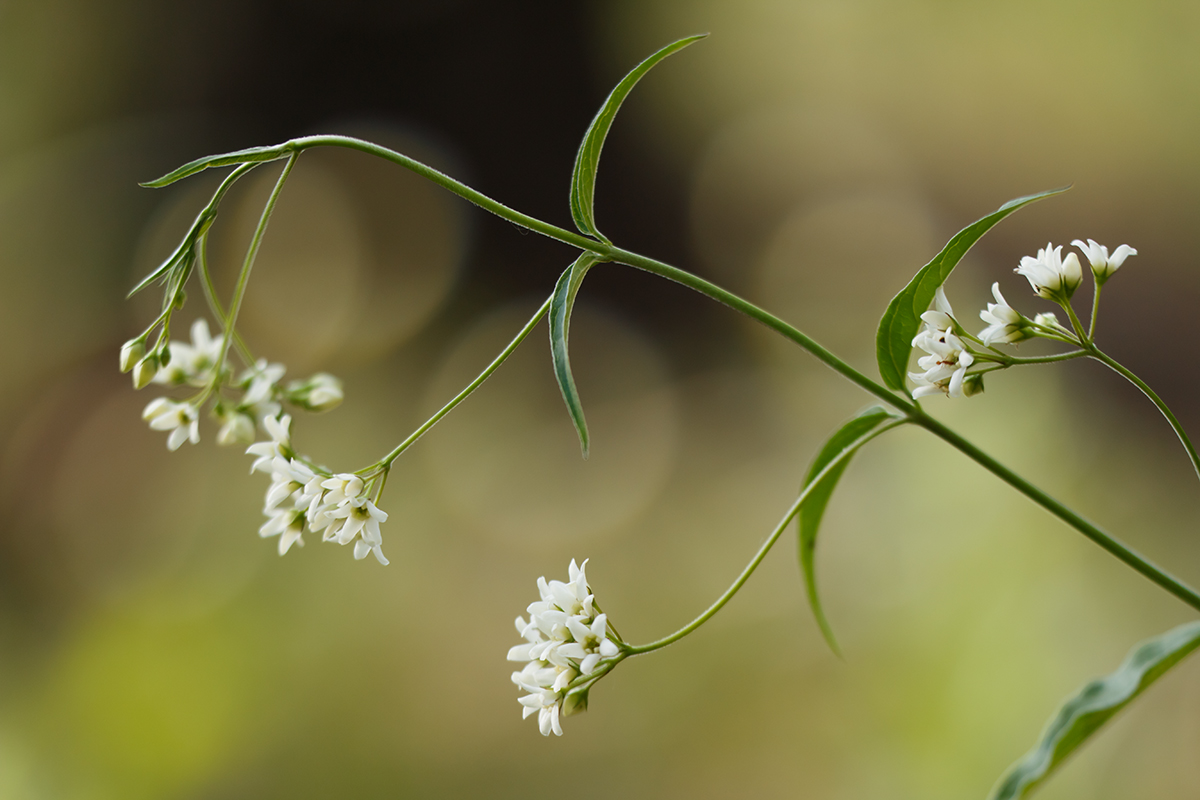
column 810, row 155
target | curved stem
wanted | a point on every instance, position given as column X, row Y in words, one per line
column 911, row 409
column 1154, row 398
column 1015, row 360
column 846, row 452
column 446, row 182
column 1101, row 537
column 387, row 460
column 252, row 253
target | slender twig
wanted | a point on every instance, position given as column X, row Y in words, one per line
column 1176, row 425
column 386, row 461
column 846, row 452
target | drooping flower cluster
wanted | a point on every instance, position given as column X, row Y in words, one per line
column 192, row 364
column 564, row 639
column 197, row 364
column 948, row 356
column 301, row 495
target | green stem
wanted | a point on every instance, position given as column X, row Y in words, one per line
column 387, row 460
column 771, row 321
column 239, row 291
column 1015, row 360
column 1095, row 307
column 911, row 409
column 1132, row 558
column 214, row 303
column 1105, row 359
column 1075, row 323
column 846, row 452
column 446, row 182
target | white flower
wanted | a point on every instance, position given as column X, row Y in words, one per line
column 261, row 384
column 946, row 365
column 1050, row 275
column 360, row 518
column 548, row 704
column 321, row 392
column 287, row 524
column 288, row 479
column 280, row 445
column 1104, row 265
column 181, row 419
column 942, row 318
column 192, row 363
column 591, row 643
column 341, row 488
column 564, row 639
column 1005, row 324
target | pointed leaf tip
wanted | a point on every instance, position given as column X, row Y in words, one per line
column 249, row 155
column 587, row 160
column 820, row 481
column 902, row 319
column 561, row 305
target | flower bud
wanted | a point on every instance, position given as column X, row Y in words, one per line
column 237, row 428
column 321, row 392
column 575, row 702
column 973, row 385
column 132, row 352
column 145, row 371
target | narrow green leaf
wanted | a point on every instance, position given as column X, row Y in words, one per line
column 899, row 324
column 1094, row 705
column 587, row 160
column 162, row 269
column 813, row 507
column 561, row 305
column 247, row 156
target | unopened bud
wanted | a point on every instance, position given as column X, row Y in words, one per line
column 575, row 702
column 321, row 392
column 145, row 370
column 238, row 428
column 973, row 385
column 132, row 352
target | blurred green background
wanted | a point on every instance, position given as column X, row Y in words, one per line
column 810, row 155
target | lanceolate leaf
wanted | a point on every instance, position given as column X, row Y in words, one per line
column 1087, row 711
column 893, row 341
column 587, row 160
column 560, row 330
column 246, row 156
column 813, row 507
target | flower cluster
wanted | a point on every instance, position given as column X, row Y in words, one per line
column 949, row 354
column 300, row 495
column 564, row 639
column 197, row 364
